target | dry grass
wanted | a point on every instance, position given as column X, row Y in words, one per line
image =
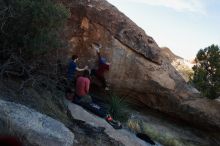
column 165, row 138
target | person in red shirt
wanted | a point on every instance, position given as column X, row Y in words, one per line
column 82, row 88
column 85, row 100
column 102, row 67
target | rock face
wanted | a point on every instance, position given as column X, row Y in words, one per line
column 139, row 69
column 32, row 127
column 183, row 66
column 123, row 136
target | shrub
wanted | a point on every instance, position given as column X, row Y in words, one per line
column 134, row 125
column 118, row 108
column 30, row 26
column 206, row 77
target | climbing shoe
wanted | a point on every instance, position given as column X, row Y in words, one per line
column 113, row 123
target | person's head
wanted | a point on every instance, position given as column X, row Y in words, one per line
column 86, row 73
column 74, row 57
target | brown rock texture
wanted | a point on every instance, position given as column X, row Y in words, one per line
column 138, row 68
column 183, row 66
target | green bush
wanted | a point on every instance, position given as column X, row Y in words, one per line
column 118, row 108
column 31, row 26
column 206, row 77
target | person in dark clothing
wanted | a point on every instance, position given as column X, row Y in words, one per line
column 72, row 68
column 102, row 67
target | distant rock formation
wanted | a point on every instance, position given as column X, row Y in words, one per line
column 169, row 55
column 139, row 70
column 183, row 66
column 33, row 128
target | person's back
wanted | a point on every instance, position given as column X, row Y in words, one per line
column 82, row 86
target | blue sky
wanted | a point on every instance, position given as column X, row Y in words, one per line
column 185, row 26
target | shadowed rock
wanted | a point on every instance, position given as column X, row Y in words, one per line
column 123, row 136
column 32, row 127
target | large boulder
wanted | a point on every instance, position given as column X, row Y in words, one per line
column 33, row 128
column 139, row 69
column 123, row 136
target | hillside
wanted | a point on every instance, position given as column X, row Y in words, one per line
column 33, row 71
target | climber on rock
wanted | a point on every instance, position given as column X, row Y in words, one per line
column 102, row 67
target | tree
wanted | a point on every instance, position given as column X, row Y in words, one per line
column 29, row 31
column 30, row 26
column 206, row 76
